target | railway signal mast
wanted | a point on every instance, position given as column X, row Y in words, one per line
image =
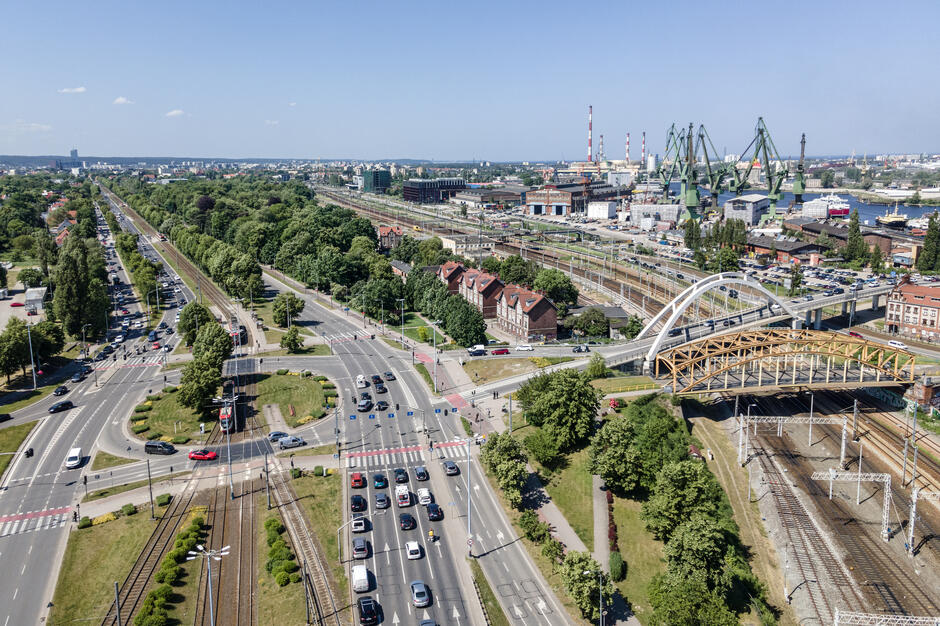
column 834, row 476
column 917, row 494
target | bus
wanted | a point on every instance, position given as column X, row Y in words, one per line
column 227, row 419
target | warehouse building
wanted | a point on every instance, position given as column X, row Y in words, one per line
column 749, row 208
column 431, row 190
column 563, row 200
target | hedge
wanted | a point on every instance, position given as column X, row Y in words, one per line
column 142, row 408
column 85, row 522
column 170, row 389
column 328, row 385
column 295, row 472
column 128, row 509
column 180, row 439
column 163, row 499
column 320, row 378
column 153, row 436
column 318, row 470
column 153, row 397
column 139, row 428
column 617, row 566
column 282, row 372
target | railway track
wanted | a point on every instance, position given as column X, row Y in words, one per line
column 131, row 593
column 324, row 604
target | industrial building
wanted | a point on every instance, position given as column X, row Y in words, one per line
column 606, row 210
column 431, row 190
column 647, row 216
column 484, row 198
column 563, row 200
column 749, row 208
column 376, row 181
column 620, row 178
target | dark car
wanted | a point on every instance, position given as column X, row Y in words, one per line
column 357, row 503
column 158, row 447
column 379, row 481
column 381, row 388
column 376, row 379
column 389, row 376
column 476, row 352
column 401, row 476
column 381, row 405
column 406, row 521
column 365, row 395
column 368, row 611
column 450, row 468
column 435, row 513
column 275, row 435
column 77, row 377
column 61, row 390
column 65, row 405
column 421, row 473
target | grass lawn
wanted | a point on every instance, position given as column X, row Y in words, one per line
column 26, row 397
column 10, row 440
column 570, row 489
column 321, row 498
column 393, row 343
column 167, row 411
column 490, row 602
column 265, row 310
column 317, row 349
column 304, row 394
column 483, row 371
column 412, row 323
column 642, row 554
column 624, row 383
column 329, row 448
column 104, row 460
column 283, row 605
column 113, row 491
column 97, row 556
column 426, row 375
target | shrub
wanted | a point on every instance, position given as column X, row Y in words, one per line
column 295, row 472
column 170, row 389
column 321, row 378
column 272, row 537
column 295, row 577
column 142, row 408
column 160, row 576
column 289, row 566
column 330, row 393
column 304, row 373
column 163, row 592
column 279, row 552
column 180, row 439
column 171, row 575
column 128, row 509
column 139, row 428
column 85, row 522
column 326, row 384
column 103, row 519
column 197, row 523
column 153, row 436
column 177, row 554
column 153, row 397
column 282, row 372
column 318, row 470
column 163, row 499
column 282, row 578
column 274, row 524
column 553, row 551
column 617, row 566
column 272, row 565
column 610, row 497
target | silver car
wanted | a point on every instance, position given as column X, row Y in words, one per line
column 360, row 549
column 420, row 594
column 290, row 442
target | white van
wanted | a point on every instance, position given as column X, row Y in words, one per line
column 897, row 344
column 402, row 496
column 74, row 459
column 360, row 578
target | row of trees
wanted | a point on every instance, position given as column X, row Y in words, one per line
column 460, row 319
column 46, row 337
column 202, row 376
column 929, row 258
column 555, row 284
column 80, row 287
column 143, row 271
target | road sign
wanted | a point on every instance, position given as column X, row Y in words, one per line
column 371, row 416
column 437, row 410
column 469, row 541
column 410, row 413
column 391, row 415
column 352, row 417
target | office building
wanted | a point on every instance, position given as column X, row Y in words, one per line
column 376, row 181
column 431, row 190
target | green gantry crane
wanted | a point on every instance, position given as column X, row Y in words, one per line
column 799, row 182
column 764, row 151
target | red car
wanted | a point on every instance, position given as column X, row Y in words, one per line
column 852, row 333
column 500, row 351
column 125, row 312
column 17, row 304
column 203, row 455
column 156, row 345
column 357, row 481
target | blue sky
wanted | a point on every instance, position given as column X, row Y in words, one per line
column 497, row 81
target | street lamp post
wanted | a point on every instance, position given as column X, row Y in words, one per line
column 469, row 530
column 338, row 530
column 402, row 319
column 84, row 344
column 32, row 361
column 209, row 555
column 600, row 593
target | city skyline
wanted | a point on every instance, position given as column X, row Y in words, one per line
column 436, row 83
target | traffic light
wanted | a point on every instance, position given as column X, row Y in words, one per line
column 396, row 406
column 85, row 479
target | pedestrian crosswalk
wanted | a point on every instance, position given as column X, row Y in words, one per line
column 30, row 524
column 398, row 457
column 132, row 361
column 350, row 336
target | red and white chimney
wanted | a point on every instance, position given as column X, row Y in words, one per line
column 590, row 130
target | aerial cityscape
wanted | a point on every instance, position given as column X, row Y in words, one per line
column 356, row 315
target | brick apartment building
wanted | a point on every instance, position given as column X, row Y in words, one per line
column 389, row 236
column 481, row 290
column 913, row 311
column 526, row 315
column 450, row 274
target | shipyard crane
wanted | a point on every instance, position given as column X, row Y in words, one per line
column 715, row 177
column 680, row 159
column 764, row 152
column 799, row 182
column 668, row 167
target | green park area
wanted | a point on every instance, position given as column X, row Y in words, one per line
column 276, row 604
column 161, row 416
column 104, row 460
column 10, row 440
column 300, row 398
column 321, row 499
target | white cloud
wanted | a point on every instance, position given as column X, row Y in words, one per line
column 72, row 90
column 123, row 100
column 175, row 113
column 291, row 104
column 271, row 122
column 22, row 126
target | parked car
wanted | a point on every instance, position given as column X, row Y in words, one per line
column 290, row 442
column 203, row 455
column 65, row 405
column 500, row 351
column 524, row 347
column 61, row 390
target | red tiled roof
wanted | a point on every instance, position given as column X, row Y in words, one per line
column 385, row 230
column 917, row 294
column 449, row 268
column 514, row 294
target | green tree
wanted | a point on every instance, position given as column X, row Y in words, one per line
column 796, row 278
column 48, row 339
column 543, row 448
column 682, row 489
column 633, row 327
column 596, row 367
column 855, row 246
column 531, row 390
column 286, row 304
column 678, row 600
column 213, row 344
column 290, row 341
column 519, row 271
column 557, row 286
column 927, row 259
column 592, row 323
column 466, row 324
column 31, row 277
column 877, row 259
column 192, row 317
column 505, row 458
column 698, row 544
column 579, row 575
column 827, row 178
column 567, row 408
column 692, row 234
column 491, row 264
column 199, row 383
column 613, row 456
column 726, row 260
